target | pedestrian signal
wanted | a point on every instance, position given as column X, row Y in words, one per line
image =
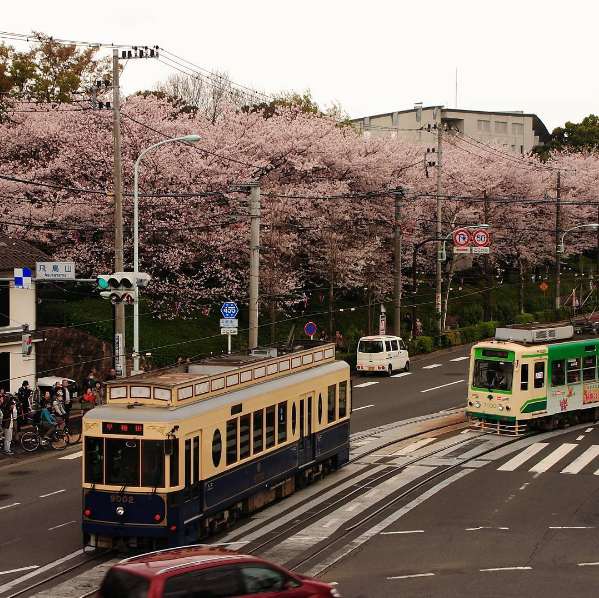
column 117, row 297
column 26, row 344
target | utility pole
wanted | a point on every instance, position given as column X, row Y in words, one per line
column 487, row 267
column 557, row 239
column 119, row 310
column 438, row 291
column 397, row 281
column 254, row 262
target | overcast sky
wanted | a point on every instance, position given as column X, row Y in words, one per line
column 370, row 57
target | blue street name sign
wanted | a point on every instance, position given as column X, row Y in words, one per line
column 229, row 310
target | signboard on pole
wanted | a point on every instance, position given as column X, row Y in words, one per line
column 229, row 331
column 229, row 323
column 118, row 354
column 383, row 324
column 63, row 270
column 458, row 249
column 310, row 329
column 461, row 237
column 480, row 237
column 22, row 278
column 229, row 310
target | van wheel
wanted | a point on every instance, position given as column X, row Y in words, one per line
column 390, row 371
column 407, row 367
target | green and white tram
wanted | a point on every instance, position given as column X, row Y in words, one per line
column 178, row 453
column 532, row 377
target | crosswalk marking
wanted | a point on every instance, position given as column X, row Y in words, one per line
column 583, row 460
column 414, row 446
column 460, row 358
column 73, row 456
column 364, row 384
column 553, row 458
column 401, row 375
column 434, row 365
column 526, row 454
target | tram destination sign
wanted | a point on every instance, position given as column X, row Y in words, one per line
column 119, row 428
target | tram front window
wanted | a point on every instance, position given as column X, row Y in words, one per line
column 152, row 463
column 122, row 462
column 493, row 375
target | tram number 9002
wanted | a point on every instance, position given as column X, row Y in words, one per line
column 119, row 498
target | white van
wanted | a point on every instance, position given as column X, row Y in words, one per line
column 382, row 354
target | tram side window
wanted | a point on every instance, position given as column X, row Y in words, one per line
column 258, row 425
column 188, row 469
column 342, row 399
column 217, row 447
column 282, row 425
column 539, row 374
column 94, row 460
column 152, row 463
column 589, row 368
column 270, row 427
column 574, row 370
column 244, row 437
column 558, row 372
column 174, row 477
column 332, row 403
column 524, row 377
column 196, row 467
column 231, row 441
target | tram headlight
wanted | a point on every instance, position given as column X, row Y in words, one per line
column 508, row 408
column 477, row 404
column 120, row 511
column 500, row 407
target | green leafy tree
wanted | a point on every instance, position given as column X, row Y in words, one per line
column 583, row 136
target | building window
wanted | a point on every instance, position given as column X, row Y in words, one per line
column 517, row 129
column 483, row 126
column 500, row 126
column 513, row 149
column 521, row 149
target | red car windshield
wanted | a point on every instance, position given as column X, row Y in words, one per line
column 122, row 584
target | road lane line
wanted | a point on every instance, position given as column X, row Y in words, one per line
column 364, row 384
column 413, row 575
column 433, row 365
column 73, row 456
column 443, row 386
column 587, row 564
column 18, row 580
column 363, row 407
column 401, row 375
column 560, row 452
column 414, row 446
column 14, row 504
column 412, row 531
column 508, row 569
column 583, row 460
column 460, row 358
column 526, row 454
column 51, row 493
column 475, row 529
column 61, row 525
column 572, row 527
column 20, row 569
column 588, row 430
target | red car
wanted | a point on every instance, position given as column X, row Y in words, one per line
column 206, row 572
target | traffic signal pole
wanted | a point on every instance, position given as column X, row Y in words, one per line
column 254, row 263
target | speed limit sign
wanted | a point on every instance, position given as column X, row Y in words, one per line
column 480, row 237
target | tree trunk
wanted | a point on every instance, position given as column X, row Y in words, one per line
column 273, row 317
column 331, row 298
column 521, row 288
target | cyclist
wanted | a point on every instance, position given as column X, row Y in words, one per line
column 58, row 410
column 47, row 422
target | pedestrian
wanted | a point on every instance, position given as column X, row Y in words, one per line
column 90, row 381
column 9, row 418
column 323, row 336
column 67, row 397
column 23, row 406
column 57, row 386
column 111, row 375
column 87, row 400
column 58, row 411
column 98, row 393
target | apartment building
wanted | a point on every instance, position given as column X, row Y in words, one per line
column 517, row 132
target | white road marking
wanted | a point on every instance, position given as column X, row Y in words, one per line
column 18, row 580
column 588, row 430
column 363, row 407
column 553, row 458
column 524, row 485
column 412, row 531
column 352, row 507
column 61, row 525
column 401, row 375
column 73, row 456
column 433, row 365
column 330, row 522
column 20, row 569
column 413, row 575
column 475, row 529
column 460, row 358
column 414, row 446
column 583, row 460
column 573, row 527
column 51, row 493
column 587, row 564
column 508, row 569
column 580, row 437
column 443, row 386
column 526, row 454
column 14, row 504
column 364, row 384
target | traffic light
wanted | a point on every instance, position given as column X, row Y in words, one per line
column 126, row 297
column 26, row 344
column 121, row 287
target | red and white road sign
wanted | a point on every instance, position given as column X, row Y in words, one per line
column 480, row 237
column 461, row 237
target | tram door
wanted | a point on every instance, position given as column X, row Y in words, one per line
column 306, row 448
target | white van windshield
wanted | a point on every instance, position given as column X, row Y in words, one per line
column 370, row 347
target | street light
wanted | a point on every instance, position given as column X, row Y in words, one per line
column 560, row 247
column 187, row 139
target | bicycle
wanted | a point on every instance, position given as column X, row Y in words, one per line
column 31, row 441
column 73, row 432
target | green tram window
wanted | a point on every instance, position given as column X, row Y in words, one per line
column 589, row 368
column 539, row 374
column 270, row 427
column 282, row 424
column 332, row 403
column 524, row 377
column 244, row 436
column 231, row 441
column 493, row 375
column 94, row 460
column 558, row 372
column 258, row 426
column 152, row 463
column 342, row 399
column 574, row 366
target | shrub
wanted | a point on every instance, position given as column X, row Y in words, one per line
column 524, row 319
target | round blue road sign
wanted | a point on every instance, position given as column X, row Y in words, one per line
column 310, row 328
column 229, row 309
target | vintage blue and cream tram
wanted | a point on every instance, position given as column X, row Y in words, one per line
column 179, row 453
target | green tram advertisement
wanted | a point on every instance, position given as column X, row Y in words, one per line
column 532, row 377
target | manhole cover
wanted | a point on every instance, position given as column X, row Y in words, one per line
column 20, row 472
